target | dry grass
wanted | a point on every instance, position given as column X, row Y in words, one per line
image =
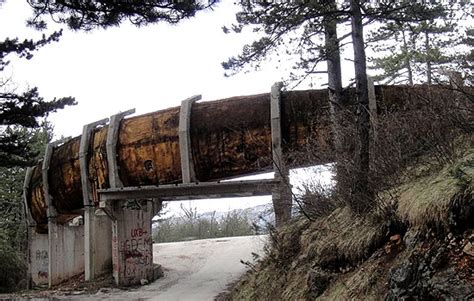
column 367, row 280
column 435, row 200
column 335, row 242
column 341, row 239
column 348, row 247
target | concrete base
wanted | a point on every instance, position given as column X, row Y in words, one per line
column 282, row 202
column 132, row 245
column 38, row 257
column 66, row 252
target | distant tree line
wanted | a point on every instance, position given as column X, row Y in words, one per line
column 190, row 226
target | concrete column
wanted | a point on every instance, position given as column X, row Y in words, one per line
column 281, row 195
column 66, row 251
column 132, row 245
column 65, row 243
column 282, row 200
column 38, row 258
column 97, row 247
column 97, row 228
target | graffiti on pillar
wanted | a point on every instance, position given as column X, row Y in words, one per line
column 137, row 252
column 42, row 261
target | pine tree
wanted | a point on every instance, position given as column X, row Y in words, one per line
column 87, row 15
column 418, row 50
column 22, row 109
column 299, row 28
column 12, row 210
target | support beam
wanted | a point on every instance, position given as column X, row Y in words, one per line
column 51, row 211
column 111, row 144
column 281, row 195
column 372, row 105
column 202, row 190
column 83, row 153
column 275, row 122
column 187, row 164
column 97, row 229
column 26, row 186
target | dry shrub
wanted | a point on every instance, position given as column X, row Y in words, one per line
column 425, row 127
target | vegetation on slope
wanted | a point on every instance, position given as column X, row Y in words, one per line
column 425, row 249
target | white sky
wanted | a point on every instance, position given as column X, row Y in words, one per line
column 148, row 68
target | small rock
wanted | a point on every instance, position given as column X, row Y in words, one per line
column 143, row 282
column 396, row 238
column 401, row 276
column 103, row 290
column 450, row 236
column 469, row 249
column 157, row 271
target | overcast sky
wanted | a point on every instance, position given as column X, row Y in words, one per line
column 148, row 68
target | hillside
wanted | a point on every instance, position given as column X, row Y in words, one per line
column 418, row 245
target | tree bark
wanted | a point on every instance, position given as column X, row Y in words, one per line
column 407, row 59
column 428, row 61
column 362, row 197
column 334, row 76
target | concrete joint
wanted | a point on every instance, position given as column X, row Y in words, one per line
column 184, row 128
column 111, row 144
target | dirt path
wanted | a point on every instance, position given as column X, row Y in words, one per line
column 194, row 270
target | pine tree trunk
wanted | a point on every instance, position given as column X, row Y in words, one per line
column 362, row 198
column 428, row 61
column 407, row 59
column 334, row 76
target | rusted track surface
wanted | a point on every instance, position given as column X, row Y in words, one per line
column 229, row 138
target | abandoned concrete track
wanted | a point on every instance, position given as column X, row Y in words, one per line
column 194, row 270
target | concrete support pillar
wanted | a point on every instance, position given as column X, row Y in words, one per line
column 372, row 106
column 282, row 200
column 132, row 245
column 65, row 250
column 184, row 129
column 97, row 228
column 97, row 247
column 281, row 195
column 65, row 243
column 37, row 244
column 53, row 241
column 38, row 258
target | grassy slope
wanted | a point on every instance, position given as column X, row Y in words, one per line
column 342, row 256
